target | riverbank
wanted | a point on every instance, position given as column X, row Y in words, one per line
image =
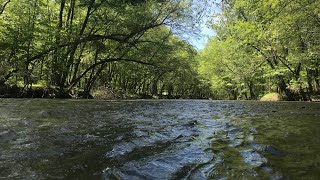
column 273, row 96
column 104, row 93
column 7, row 91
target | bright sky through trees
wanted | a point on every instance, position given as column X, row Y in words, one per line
column 200, row 42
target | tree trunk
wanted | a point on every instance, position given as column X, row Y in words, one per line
column 250, row 86
column 283, row 88
column 74, row 47
column 309, row 80
column 316, row 78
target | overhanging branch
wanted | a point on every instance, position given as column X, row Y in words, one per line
column 4, row 6
column 103, row 61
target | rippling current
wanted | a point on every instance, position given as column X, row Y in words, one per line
column 158, row 139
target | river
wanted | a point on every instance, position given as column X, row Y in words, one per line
column 158, row 139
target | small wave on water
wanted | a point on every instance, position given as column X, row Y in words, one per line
column 160, row 139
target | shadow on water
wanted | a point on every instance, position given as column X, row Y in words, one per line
column 158, row 139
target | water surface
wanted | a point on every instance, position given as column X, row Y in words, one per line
column 158, row 139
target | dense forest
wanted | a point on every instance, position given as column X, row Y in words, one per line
column 264, row 46
column 138, row 48
column 121, row 48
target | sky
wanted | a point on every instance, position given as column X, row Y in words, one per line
column 199, row 42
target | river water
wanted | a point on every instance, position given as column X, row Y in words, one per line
column 158, row 139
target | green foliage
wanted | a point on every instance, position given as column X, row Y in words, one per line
column 262, row 44
column 76, row 46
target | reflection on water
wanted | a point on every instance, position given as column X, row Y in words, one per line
column 158, row 139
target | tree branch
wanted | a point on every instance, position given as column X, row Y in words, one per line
column 263, row 54
column 103, row 61
column 124, row 38
column 4, row 6
column 286, row 65
column 6, row 77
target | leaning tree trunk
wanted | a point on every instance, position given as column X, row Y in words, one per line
column 284, row 88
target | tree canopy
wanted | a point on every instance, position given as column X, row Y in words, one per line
column 264, row 46
column 74, row 46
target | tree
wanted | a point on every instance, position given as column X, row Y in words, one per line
column 68, row 44
column 282, row 33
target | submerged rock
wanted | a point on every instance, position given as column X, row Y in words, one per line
column 266, row 148
column 253, row 158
